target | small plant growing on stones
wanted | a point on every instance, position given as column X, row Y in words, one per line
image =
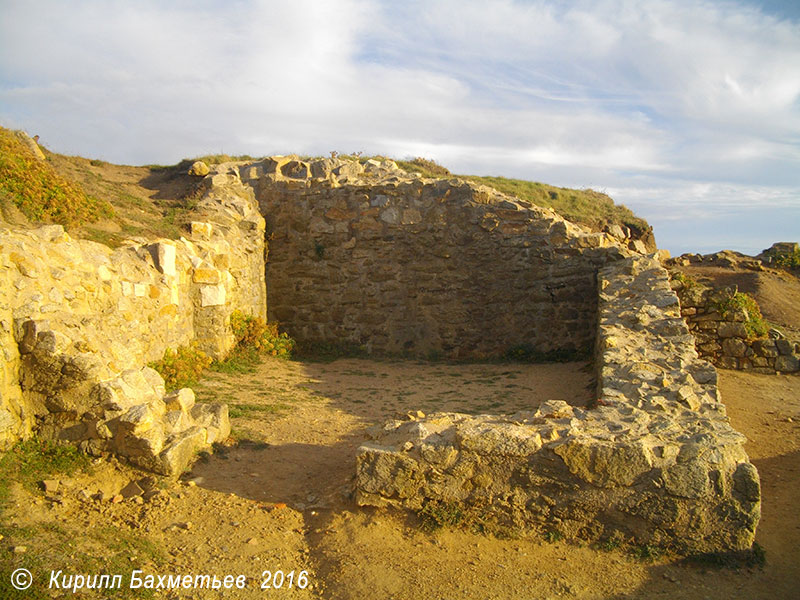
column 754, row 323
column 182, row 367
column 686, row 281
column 436, row 515
column 254, row 333
column 553, row 536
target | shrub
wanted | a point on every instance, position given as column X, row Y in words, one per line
column 754, row 324
column 436, row 515
column 182, row 367
column 39, row 191
column 264, row 338
column 686, row 281
column 788, row 260
column 424, row 166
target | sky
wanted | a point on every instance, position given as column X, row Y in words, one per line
column 686, row 111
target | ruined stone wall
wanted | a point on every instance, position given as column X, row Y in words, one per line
column 655, row 462
column 79, row 321
column 724, row 339
column 368, row 256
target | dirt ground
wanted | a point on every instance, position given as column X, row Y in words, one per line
column 279, row 497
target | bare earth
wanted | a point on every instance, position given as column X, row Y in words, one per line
column 279, row 498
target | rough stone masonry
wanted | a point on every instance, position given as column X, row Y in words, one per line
column 79, row 322
column 656, row 461
column 368, row 255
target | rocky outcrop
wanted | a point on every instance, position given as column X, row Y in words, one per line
column 655, row 462
column 78, row 321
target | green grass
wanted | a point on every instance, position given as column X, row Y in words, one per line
column 240, row 361
column 437, row 515
column 425, row 167
column 100, row 550
column 586, row 207
column 41, row 193
column 33, row 460
column 252, row 410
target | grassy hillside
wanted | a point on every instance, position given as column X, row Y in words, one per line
column 39, row 191
column 586, row 207
column 109, row 203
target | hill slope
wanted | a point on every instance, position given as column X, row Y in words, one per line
column 125, row 201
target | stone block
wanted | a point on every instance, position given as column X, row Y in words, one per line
column 787, row 364
column 201, row 230
column 199, row 169
column 164, row 255
column 734, row 347
column 728, row 329
column 606, row 465
column 765, row 348
column 214, row 417
column 182, row 400
column 180, row 451
column 784, row 347
column 206, row 275
column 212, row 295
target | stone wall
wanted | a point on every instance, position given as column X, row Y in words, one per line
column 78, row 322
column 655, row 462
column 724, row 340
column 369, row 256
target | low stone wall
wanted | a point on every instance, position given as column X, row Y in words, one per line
column 723, row 339
column 78, row 322
column 369, row 256
column 655, row 462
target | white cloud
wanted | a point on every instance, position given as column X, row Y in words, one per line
column 607, row 93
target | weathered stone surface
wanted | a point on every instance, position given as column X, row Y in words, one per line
column 656, row 460
column 787, row 364
column 605, row 465
column 732, row 329
column 180, row 450
column 78, row 320
column 199, row 169
column 418, row 267
column 724, row 340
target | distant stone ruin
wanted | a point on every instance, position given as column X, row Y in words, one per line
column 367, row 255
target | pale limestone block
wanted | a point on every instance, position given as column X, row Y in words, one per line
column 212, row 295
column 165, row 258
column 104, row 272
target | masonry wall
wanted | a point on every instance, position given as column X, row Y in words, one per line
column 724, row 339
column 79, row 322
column 422, row 267
column 655, row 462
